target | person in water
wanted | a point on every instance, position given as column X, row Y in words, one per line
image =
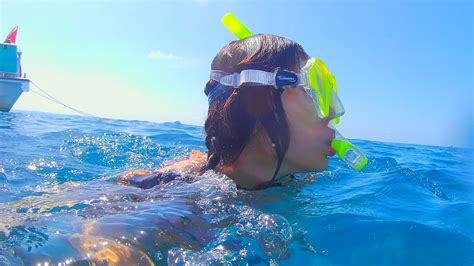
column 255, row 134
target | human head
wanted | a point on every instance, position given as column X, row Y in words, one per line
column 275, row 120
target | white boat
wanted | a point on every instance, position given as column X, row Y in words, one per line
column 12, row 85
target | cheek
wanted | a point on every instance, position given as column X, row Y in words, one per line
column 306, row 140
column 307, row 147
column 307, row 134
column 306, row 129
column 299, row 108
column 307, row 156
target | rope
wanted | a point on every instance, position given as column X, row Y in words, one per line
column 53, row 99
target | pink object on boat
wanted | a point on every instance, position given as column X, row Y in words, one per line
column 11, row 37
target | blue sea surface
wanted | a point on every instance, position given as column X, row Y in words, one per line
column 60, row 202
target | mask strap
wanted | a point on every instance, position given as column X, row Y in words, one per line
column 249, row 76
column 216, row 75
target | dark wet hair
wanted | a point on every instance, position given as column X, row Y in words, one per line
column 233, row 116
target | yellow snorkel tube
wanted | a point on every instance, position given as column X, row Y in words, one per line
column 236, row 26
column 348, row 152
column 325, row 85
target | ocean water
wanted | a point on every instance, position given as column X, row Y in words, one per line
column 60, row 202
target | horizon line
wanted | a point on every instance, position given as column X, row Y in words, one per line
column 162, row 122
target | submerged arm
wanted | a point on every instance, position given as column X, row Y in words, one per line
column 147, row 179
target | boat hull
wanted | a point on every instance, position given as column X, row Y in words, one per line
column 10, row 91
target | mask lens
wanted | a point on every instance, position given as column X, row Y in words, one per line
column 336, row 107
column 317, row 106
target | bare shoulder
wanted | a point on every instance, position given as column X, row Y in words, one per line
column 197, row 154
column 190, row 165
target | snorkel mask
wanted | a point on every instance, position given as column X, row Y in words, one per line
column 315, row 78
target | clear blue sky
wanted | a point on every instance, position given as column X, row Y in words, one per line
column 404, row 68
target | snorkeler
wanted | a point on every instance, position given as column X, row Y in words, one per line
column 272, row 110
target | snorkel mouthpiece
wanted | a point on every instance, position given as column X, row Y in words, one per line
column 347, row 151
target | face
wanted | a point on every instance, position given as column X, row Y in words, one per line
column 310, row 136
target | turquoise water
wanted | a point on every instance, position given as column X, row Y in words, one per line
column 60, row 202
